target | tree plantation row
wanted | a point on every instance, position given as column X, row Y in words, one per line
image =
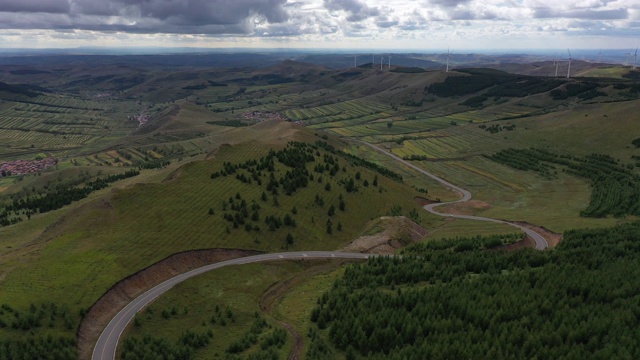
column 435, row 302
column 56, row 198
column 615, row 188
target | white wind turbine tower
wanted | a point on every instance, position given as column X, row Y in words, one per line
column 556, row 63
column 381, row 60
column 355, row 61
column 628, row 56
column 373, row 61
column 390, row 60
column 635, row 59
column 569, row 68
column 448, row 54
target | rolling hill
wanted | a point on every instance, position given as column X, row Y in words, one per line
column 270, row 158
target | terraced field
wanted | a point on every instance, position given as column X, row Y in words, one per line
column 339, row 114
column 58, row 124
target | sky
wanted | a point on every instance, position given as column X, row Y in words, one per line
column 322, row 24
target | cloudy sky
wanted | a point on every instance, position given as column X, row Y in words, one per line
column 334, row 24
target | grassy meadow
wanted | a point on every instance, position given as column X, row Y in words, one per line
column 71, row 256
column 125, row 229
column 226, row 302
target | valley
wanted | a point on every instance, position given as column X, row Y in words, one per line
column 153, row 160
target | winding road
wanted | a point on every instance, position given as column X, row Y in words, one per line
column 107, row 343
column 541, row 243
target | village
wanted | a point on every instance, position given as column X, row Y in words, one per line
column 267, row 115
column 21, row 167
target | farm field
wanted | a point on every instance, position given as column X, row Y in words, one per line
column 195, row 131
column 61, row 125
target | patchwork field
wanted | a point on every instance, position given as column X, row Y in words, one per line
column 199, row 187
column 61, row 125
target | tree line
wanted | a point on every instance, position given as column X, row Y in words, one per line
column 615, row 188
column 56, row 198
column 498, row 83
column 438, row 303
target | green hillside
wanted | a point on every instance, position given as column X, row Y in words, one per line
column 572, row 302
column 273, row 160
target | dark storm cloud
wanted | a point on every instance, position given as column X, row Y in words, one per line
column 357, row 10
column 616, row 14
column 147, row 16
column 192, row 12
column 46, row 6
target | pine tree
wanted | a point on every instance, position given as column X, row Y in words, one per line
column 332, row 210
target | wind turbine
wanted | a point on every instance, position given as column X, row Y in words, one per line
column 628, row 55
column 355, row 61
column 569, row 68
column 373, row 61
column 448, row 54
column 556, row 63
column 390, row 60
column 381, row 59
column 635, row 59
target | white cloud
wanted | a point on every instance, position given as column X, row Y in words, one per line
column 396, row 23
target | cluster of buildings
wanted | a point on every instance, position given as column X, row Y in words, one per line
column 264, row 115
column 268, row 115
column 20, row 167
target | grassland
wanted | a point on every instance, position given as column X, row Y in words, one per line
column 74, row 254
column 609, row 72
column 241, row 290
column 104, row 240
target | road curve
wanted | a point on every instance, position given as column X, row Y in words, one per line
column 107, row 344
column 541, row 243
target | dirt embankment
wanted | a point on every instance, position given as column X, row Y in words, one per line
column 127, row 289
column 526, row 242
column 386, row 234
column 424, row 201
column 553, row 238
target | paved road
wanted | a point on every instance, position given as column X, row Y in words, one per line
column 541, row 243
column 105, row 348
